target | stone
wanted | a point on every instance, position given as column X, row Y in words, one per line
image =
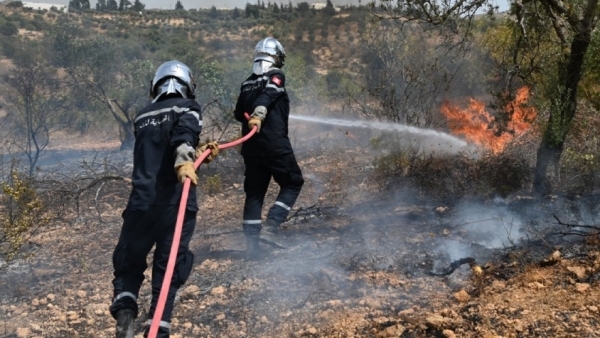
column 392, row 331
column 582, row 287
column 438, row 322
column 190, row 291
column 462, row 296
column 578, row 271
column 23, row 332
column 449, row 334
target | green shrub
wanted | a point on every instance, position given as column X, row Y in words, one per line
column 29, row 27
column 9, row 29
column 21, row 213
column 15, row 4
column 213, row 184
column 10, row 46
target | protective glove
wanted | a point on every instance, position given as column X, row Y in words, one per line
column 186, row 169
column 214, row 150
column 255, row 121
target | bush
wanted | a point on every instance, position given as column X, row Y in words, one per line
column 9, row 29
column 39, row 23
column 579, row 172
column 22, row 212
column 454, row 176
column 9, row 47
column 213, row 184
column 15, row 4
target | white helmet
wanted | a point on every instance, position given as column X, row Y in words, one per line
column 172, row 77
column 268, row 50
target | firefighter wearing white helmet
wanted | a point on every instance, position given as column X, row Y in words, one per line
column 268, row 54
column 167, row 132
column 172, row 77
column 268, row 154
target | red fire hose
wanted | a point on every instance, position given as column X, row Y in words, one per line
column 164, row 291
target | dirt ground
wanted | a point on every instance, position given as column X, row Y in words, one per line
column 360, row 262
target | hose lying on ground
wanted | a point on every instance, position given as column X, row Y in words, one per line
column 455, row 265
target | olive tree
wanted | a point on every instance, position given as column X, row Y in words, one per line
column 97, row 67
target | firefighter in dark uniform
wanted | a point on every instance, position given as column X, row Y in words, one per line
column 166, row 137
column 269, row 153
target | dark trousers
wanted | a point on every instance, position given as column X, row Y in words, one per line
column 259, row 170
column 140, row 232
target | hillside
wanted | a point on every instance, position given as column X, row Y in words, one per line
column 328, row 40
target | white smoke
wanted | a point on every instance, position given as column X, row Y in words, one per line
column 490, row 226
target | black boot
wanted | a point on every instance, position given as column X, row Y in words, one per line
column 162, row 332
column 270, row 234
column 253, row 251
column 125, row 319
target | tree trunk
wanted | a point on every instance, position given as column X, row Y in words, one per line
column 547, row 155
column 127, row 135
column 562, row 112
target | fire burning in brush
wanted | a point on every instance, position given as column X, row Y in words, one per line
column 478, row 126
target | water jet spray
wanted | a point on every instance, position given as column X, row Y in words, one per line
column 434, row 138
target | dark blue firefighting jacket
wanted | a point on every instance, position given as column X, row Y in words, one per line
column 159, row 129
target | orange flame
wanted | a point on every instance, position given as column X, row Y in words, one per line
column 478, row 126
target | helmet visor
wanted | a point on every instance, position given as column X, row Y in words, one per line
column 171, row 86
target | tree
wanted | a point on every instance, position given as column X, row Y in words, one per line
column 79, row 4
column 329, row 9
column 107, row 5
column 138, row 6
column 572, row 25
column 15, row 4
column 96, row 67
column 9, row 29
column 404, row 76
column 303, row 7
column 179, row 6
column 124, row 5
column 252, row 10
column 101, row 5
column 112, row 5
column 214, row 13
column 567, row 26
column 236, row 13
column 37, row 101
